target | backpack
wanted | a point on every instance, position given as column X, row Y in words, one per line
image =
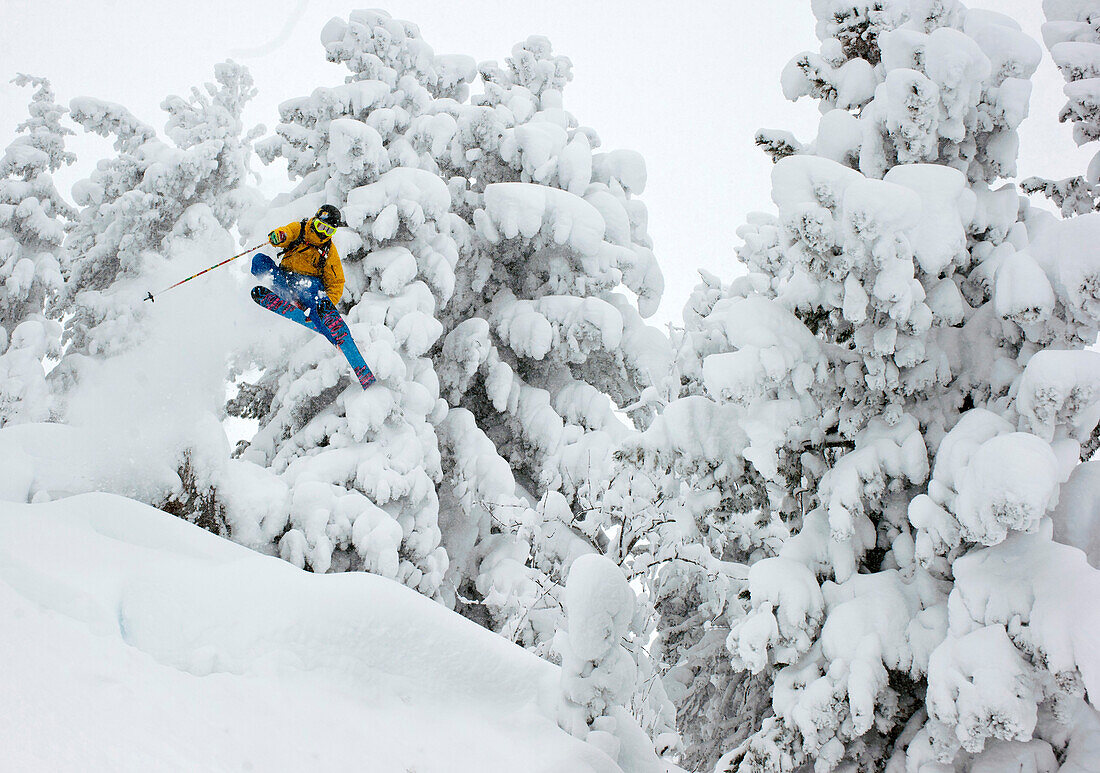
column 296, row 242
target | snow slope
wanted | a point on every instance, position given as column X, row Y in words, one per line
column 135, row 641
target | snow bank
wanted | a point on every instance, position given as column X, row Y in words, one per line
column 129, row 605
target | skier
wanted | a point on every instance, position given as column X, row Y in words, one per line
column 309, row 265
column 307, row 283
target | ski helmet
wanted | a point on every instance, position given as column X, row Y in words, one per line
column 329, row 215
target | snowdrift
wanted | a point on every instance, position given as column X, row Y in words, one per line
column 135, row 641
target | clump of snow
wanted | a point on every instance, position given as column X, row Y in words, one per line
column 400, row 197
column 1017, row 633
column 1023, row 292
column 514, row 209
column 787, row 608
column 597, row 671
column 980, row 685
column 991, row 479
column 769, row 345
column 624, row 168
column 947, row 206
column 1010, row 482
column 1059, row 392
column 1069, row 253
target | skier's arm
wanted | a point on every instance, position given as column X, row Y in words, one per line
column 333, row 278
column 286, row 234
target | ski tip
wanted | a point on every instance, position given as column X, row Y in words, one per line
column 149, row 298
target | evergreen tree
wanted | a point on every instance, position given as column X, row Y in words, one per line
column 487, row 242
column 836, row 501
column 33, row 216
column 136, row 205
column 155, row 204
column 540, row 348
column 361, row 468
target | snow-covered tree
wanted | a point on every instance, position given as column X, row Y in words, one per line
column 487, row 240
column 135, row 205
column 1072, row 33
column 33, row 216
column 857, row 457
column 155, row 204
column 541, row 347
column 359, row 470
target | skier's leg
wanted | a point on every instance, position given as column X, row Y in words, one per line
column 337, row 330
column 309, row 294
column 282, row 284
column 292, row 287
column 265, row 268
column 301, row 288
column 319, row 308
column 262, row 265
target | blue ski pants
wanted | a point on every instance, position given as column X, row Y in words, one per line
column 292, row 287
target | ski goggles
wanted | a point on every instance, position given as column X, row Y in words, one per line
column 323, row 228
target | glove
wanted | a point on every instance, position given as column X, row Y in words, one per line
column 276, row 237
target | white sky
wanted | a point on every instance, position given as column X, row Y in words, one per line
column 687, row 87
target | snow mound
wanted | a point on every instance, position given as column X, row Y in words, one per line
column 117, row 621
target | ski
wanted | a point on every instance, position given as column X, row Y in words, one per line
column 332, row 322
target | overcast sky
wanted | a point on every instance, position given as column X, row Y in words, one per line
column 687, row 86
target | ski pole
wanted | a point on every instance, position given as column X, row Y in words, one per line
column 149, row 297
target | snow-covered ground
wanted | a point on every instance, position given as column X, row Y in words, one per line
column 134, row 641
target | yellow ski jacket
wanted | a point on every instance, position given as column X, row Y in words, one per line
column 310, row 255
